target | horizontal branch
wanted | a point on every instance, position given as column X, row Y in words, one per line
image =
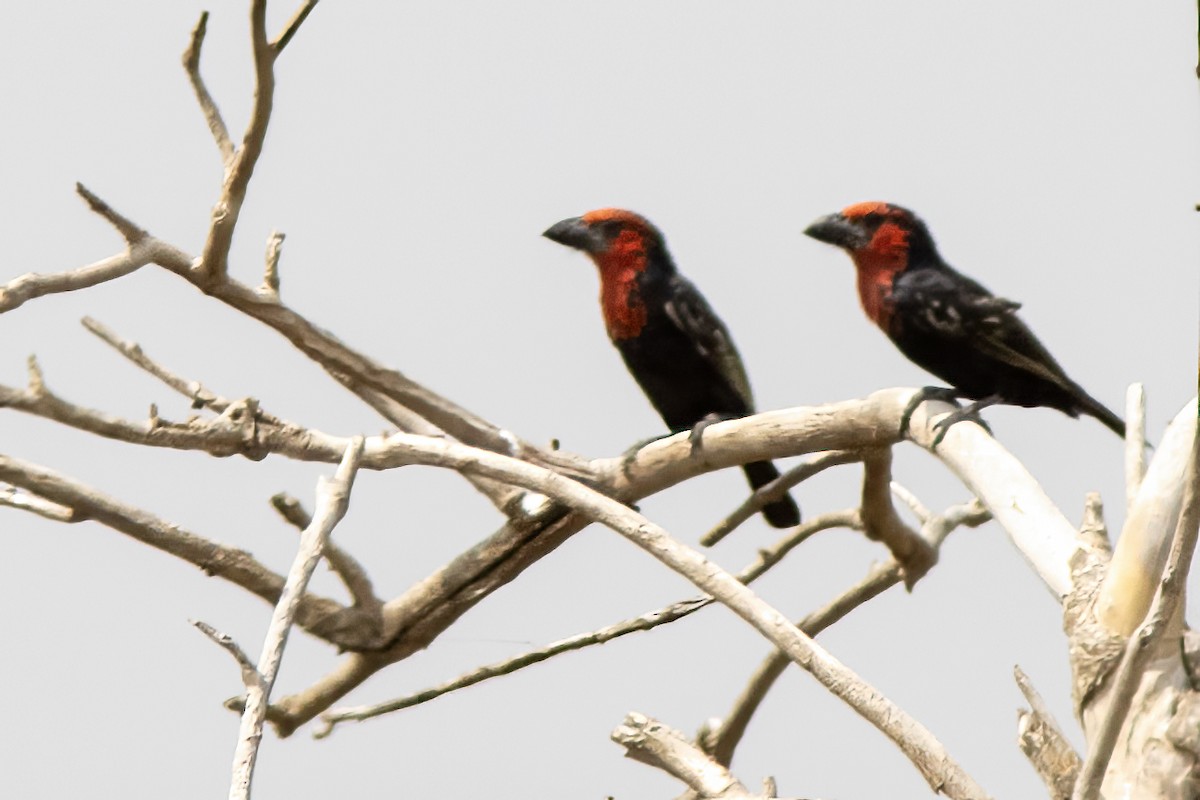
column 323, row 617
column 32, row 285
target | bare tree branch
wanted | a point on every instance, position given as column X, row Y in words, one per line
column 293, row 25
column 917, row 743
column 346, row 566
column 191, row 63
column 1141, row 552
column 200, row 397
column 883, row 524
column 723, row 739
column 321, row 616
column 32, row 285
column 319, row 345
column 270, row 285
column 333, row 499
column 1135, row 441
column 1162, row 620
column 1039, row 530
column 26, row 501
column 768, row 558
column 226, row 643
column 415, row 618
column 214, row 261
column 793, row 477
column 650, row 742
column 1042, row 740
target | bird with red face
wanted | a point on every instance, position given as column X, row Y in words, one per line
column 947, row 323
column 675, row 347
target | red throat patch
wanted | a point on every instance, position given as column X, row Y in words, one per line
column 877, row 264
column 620, row 299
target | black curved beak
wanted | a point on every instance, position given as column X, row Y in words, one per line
column 835, row 229
column 574, row 232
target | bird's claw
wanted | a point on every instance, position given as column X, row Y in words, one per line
column 696, row 437
column 925, row 393
column 942, row 426
column 631, row 454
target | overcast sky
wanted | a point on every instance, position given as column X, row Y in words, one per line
column 416, row 153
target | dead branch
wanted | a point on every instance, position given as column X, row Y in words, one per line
column 321, row 616
column 1135, row 441
column 650, row 742
column 644, row 622
column 200, row 397
column 352, row 574
column 1038, row 529
column 882, row 524
column 724, row 738
column 333, row 499
column 1043, row 742
column 30, row 286
column 26, row 501
column 1142, row 548
column 191, row 63
column 793, row 477
column 1163, row 620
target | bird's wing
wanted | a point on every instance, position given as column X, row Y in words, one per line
column 952, row 305
column 690, row 312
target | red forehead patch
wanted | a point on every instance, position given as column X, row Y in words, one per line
column 863, row 209
column 615, row 214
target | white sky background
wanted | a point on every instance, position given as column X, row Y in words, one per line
column 416, row 153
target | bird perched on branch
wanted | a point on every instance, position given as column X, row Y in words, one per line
column 674, row 345
column 947, row 323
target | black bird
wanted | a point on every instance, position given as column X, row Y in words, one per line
column 947, row 323
column 675, row 347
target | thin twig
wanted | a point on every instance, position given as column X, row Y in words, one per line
column 32, row 285
column 191, row 63
column 914, row 504
column 227, row 643
column 650, row 742
column 768, row 558
column 271, row 270
column 1043, row 742
column 214, row 261
column 333, row 499
column 793, row 477
column 1144, row 642
column 352, row 573
column 200, row 397
column 1135, row 441
column 131, row 232
column 292, row 26
column 26, row 501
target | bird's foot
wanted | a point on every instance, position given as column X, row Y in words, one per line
column 942, row 393
column 695, row 438
column 971, row 413
column 630, row 455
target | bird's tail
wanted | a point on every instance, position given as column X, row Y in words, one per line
column 1093, row 407
column 782, row 513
